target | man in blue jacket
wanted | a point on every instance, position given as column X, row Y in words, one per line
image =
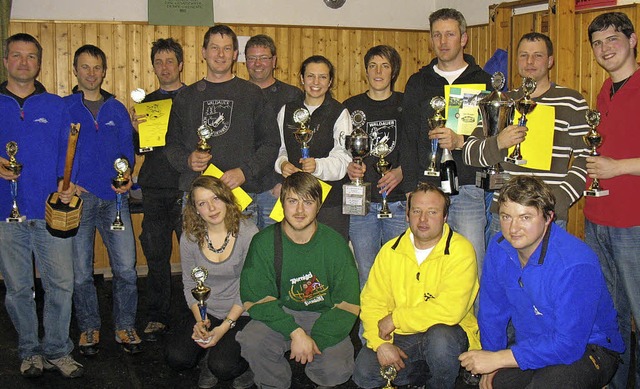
column 548, row 283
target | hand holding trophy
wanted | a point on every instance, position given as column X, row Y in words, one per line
column 201, row 292
column 121, row 165
column 593, row 139
column 16, row 168
column 303, row 134
column 437, row 120
column 356, row 195
column 524, row 105
column 205, row 132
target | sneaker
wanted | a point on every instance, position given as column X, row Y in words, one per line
column 67, row 366
column 88, row 343
column 153, row 331
column 32, row 366
column 207, row 379
column 244, row 380
column 129, row 340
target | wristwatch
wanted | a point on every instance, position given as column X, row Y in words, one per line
column 232, row 323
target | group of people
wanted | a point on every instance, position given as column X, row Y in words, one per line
column 533, row 308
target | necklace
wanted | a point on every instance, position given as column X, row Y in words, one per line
column 613, row 86
column 224, row 244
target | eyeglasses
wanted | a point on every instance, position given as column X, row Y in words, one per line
column 263, row 58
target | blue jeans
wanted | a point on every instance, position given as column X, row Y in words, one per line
column 99, row 214
column 467, row 217
column 618, row 251
column 265, row 202
column 433, row 359
column 368, row 234
column 18, row 241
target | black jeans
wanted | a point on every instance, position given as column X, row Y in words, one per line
column 162, row 217
column 593, row 370
column 224, row 361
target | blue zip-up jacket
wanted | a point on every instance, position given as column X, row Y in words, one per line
column 558, row 301
column 41, row 130
column 100, row 143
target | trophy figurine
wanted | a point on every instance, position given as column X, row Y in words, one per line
column 356, row 196
column 524, row 105
column 16, row 168
column 496, row 110
column 201, row 292
column 593, row 139
column 381, row 150
column 303, row 133
column 204, row 133
column 438, row 104
column 389, row 373
column 121, row 165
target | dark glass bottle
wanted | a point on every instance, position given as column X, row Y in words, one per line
column 448, row 173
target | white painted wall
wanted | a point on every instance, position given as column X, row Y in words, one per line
column 393, row 14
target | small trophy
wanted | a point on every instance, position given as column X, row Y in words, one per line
column 438, row 104
column 381, row 150
column 204, row 133
column 356, row 196
column 593, row 139
column 16, row 168
column 496, row 110
column 121, row 165
column 524, row 105
column 201, row 292
column 389, row 373
column 303, row 134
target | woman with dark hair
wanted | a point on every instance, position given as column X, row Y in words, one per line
column 328, row 158
column 216, row 237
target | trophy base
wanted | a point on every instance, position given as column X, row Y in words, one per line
column 385, row 215
column 516, row 161
column 491, row 181
column 117, row 227
column 596, row 193
column 143, row 150
column 18, row 219
column 431, row 173
column 356, row 199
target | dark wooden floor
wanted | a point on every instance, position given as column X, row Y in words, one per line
column 112, row 368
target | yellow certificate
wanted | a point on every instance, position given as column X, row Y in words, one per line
column 277, row 213
column 242, row 198
column 152, row 132
column 537, row 147
column 462, row 106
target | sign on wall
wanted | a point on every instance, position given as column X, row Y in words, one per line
column 584, row 4
column 181, row 12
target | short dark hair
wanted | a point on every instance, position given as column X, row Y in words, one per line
column 22, row 37
column 529, row 191
column 618, row 20
column 318, row 59
column 536, row 36
column 261, row 41
column 448, row 14
column 304, row 185
column 390, row 54
column 222, row 30
column 426, row 187
column 169, row 45
column 93, row 51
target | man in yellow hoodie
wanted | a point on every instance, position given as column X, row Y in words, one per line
column 417, row 305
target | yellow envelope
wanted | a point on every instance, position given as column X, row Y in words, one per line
column 277, row 213
column 242, row 198
column 152, row 132
column 537, row 147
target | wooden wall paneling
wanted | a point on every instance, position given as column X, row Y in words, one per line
column 562, row 32
column 120, row 63
column 192, row 55
column 400, row 42
column 291, row 74
column 344, row 63
column 63, row 63
column 47, row 68
column 77, row 37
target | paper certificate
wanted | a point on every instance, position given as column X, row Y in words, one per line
column 242, row 198
column 537, row 147
column 277, row 213
column 462, row 106
column 152, row 132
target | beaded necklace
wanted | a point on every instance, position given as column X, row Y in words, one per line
column 224, row 244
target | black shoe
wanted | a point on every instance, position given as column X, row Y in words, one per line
column 88, row 344
column 154, row 331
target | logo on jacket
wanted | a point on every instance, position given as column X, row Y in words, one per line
column 383, row 131
column 110, row 123
column 41, row 120
column 307, row 289
column 217, row 115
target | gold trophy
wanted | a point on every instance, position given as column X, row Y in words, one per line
column 381, row 150
column 303, row 133
column 356, row 196
column 524, row 105
column 593, row 139
column 437, row 120
column 121, row 165
column 16, row 168
column 389, row 373
column 138, row 95
column 204, row 133
column 201, row 292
